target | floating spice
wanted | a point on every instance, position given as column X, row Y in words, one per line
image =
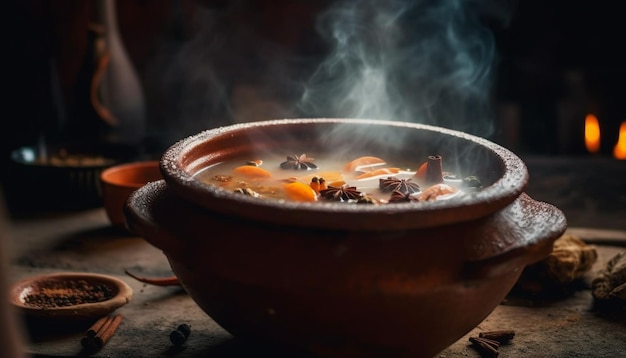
column 341, row 193
column 404, row 186
column 401, row 197
column 255, row 163
column 248, row 192
column 315, row 184
column 298, row 162
column 366, row 199
column 434, row 170
column 472, row 182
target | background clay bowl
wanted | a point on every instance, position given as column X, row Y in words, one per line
column 337, row 280
column 119, row 181
column 66, row 180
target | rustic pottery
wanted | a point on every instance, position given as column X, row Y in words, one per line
column 404, row 279
column 119, row 181
column 73, row 287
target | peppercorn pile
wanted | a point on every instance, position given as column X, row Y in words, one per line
column 68, row 293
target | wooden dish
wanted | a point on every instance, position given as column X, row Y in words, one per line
column 86, row 295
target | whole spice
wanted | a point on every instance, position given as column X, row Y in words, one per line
column 488, row 342
column 179, row 336
column 405, row 186
column 342, row 193
column 298, row 162
column 434, row 170
column 402, row 197
column 486, row 348
column 100, row 332
column 472, row 182
column 501, row 336
column 106, row 332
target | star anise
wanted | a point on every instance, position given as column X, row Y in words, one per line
column 400, row 197
column 341, row 193
column 405, row 186
column 298, row 162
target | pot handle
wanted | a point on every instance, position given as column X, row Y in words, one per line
column 141, row 211
column 527, row 228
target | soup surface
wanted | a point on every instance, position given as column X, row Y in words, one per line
column 364, row 179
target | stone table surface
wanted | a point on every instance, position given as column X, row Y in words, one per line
column 566, row 326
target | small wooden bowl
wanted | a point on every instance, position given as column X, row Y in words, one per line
column 70, row 296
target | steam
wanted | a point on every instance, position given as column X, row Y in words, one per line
column 423, row 61
column 418, row 61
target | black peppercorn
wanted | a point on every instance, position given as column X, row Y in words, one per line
column 185, row 329
column 179, row 336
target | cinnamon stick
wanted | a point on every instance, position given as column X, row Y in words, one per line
column 88, row 339
column 484, row 347
column 106, row 332
column 501, row 336
column 91, row 332
column 434, row 170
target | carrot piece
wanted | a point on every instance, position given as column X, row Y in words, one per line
column 421, row 171
column 252, row 171
column 300, row 192
column 336, row 184
column 363, row 161
column 378, row 172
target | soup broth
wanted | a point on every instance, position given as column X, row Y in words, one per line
column 364, row 179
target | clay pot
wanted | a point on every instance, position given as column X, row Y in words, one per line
column 403, row 279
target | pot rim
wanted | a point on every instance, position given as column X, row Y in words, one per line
column 333, row 215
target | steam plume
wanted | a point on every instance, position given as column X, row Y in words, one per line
column 418, row 61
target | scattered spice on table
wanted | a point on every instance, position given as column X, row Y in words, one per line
column 100, row 332
column 179, row 336
column 488, row 342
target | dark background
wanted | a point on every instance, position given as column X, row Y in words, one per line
column 557, row 61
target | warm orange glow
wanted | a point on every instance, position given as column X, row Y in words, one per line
column 619, row 152
column 592, row 133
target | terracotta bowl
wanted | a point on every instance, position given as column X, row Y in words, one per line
column 119, row 181
column 69, row 296
column 341, row 280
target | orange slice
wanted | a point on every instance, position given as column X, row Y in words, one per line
column 251, row 171
column 377, row 172
column 366, row 161
column 298, row 191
